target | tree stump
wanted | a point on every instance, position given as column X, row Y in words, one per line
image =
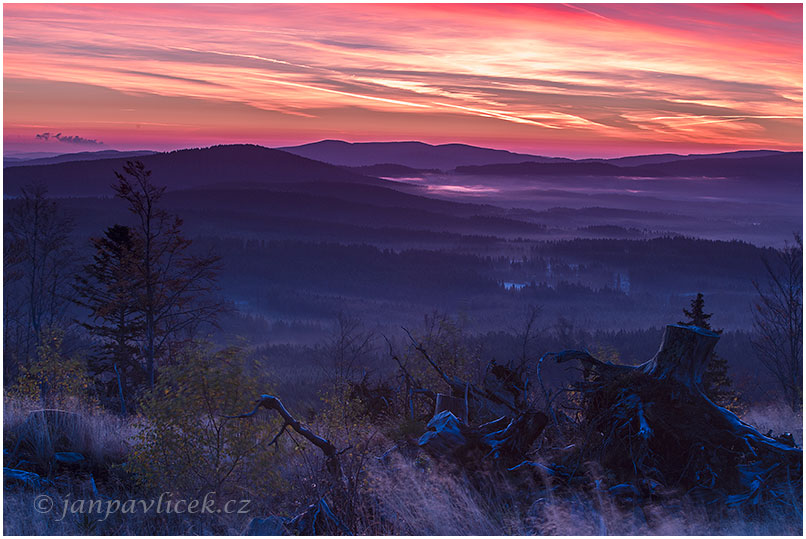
column 683, row 355
column 652, row 425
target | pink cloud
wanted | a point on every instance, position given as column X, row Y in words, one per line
column 528, row 76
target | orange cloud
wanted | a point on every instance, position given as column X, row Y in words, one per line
column 548, row 78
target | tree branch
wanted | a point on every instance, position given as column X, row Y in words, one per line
column 271, row 402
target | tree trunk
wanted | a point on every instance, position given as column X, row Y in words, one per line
column 683, row 355
column 120, row 392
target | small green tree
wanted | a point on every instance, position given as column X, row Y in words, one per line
column 449, row 345
column 716, row 382
column 697, row 315
column 187, row 445
column 51, row 377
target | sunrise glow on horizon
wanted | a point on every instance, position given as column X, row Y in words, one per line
column 553, row 79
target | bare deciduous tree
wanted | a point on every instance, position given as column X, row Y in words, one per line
column 37, row 264
column 528, row 334
column 778, row 321
column 175, row 291
column 349, row 348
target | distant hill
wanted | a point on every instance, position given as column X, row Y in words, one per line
column 67, row 157
column 322, row 210
column 345, row 204
column 653, row 159
column 383, row 194
column 445, row 157
column 247, row 166
column 417, row 155
column 25, row 156
column 786, row 166
column 182, row 169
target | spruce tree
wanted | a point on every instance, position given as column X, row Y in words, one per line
column 107, row 288
column 716, row 382
column 697, row 315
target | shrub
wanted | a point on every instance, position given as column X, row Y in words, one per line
column 186, row 444
column 52, row 377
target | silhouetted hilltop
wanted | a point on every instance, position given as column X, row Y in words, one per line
column 379, row 196
column 182, row 169
column 417, row 155
column 354, row 205
column 777, row 167
column 422, row 156
column 783, row 166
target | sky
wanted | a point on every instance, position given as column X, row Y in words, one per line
column 589, row 80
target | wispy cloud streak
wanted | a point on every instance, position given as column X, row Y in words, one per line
column 552, row 78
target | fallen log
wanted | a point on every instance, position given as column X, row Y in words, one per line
column 32, row 480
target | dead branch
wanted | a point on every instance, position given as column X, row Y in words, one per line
column 417, row 346
column 271, row 402
column 413, row 386
column 496, row 390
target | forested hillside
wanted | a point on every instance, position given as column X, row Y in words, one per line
column 342, row 357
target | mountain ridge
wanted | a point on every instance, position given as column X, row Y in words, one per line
column 413, row 154
column 181, row 169
column 12, row 161
column 252, row 164
column 787, row 166
column 421, row 155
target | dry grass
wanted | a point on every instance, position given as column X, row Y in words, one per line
column 778, row 418
column 416, row 500
column 102, row 438
column 427, row 499
column 399, row 496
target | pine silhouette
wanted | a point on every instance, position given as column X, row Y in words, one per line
column 716, row 382
column 697, row 315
